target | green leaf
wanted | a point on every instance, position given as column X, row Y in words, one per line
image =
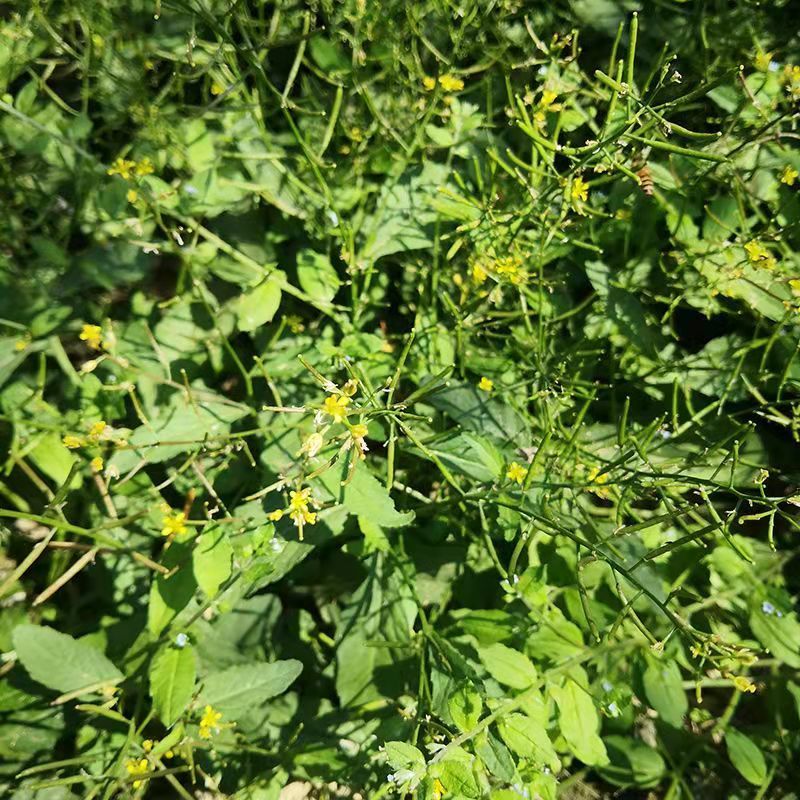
column 316, row 276
column 365, row 496
column 258, row 306
column 507, row 666
column 404, row 213
column 60, row 662
column 471, row 455
column 527, row 738
column 211, row 560
column 52, row 457
column 170, row 594
column 401, row 755
column 632, row 763
column 663, row 686
column 237, row 690
column 478, row 412
column 780, row 635
column 495, row 757
column 465, row 706
column 456, row 774
column 746, row 756
column 172, row 677
column 579, row 722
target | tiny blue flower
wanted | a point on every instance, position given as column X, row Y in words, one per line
column 181, row 640
column 767, row 607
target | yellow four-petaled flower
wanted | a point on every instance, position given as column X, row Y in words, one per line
column 516, row 472
column 173, row 524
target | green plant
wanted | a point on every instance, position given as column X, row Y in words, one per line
column 400, row 398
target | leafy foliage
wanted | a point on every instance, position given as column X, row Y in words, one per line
column 399, row 399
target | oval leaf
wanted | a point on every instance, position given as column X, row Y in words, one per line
column 60, row 662
column 236, row 690
column 172, row 676
column 746, row 757
column 258, row 306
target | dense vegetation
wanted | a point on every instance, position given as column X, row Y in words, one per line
column 399, row 399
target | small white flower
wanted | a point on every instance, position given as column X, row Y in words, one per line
column 181, row 640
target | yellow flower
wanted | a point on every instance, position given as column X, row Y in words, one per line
column 209, row 722
column 450, row 83
column 485, row 385
column 479, row 274
column 510, row 267
column 135, row 768
column 336, row 406
column 759, row 255
column 762, row 60
column 72, row 442
column 173, row 524
column 145, row 167
column 21, row 344
column 97, row 429
column 275, row 515
column 789, row 175
column 743, row 684
column 217, row 89
column 122, row 167
column 548, row 98
column 516, row 472
column 599, row 482
column 429, row 83
column 147, row 745
column 351, row 387
column 359, row 431
column 92, row 335
column 579, row 190
column 299, row 511
column 96, row 464
column 438, row 789
column 795, row 286
column 299, row 500
column 132, row 195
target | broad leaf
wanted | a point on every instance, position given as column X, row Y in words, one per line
column 60, row 662
column 172, row 677
column 237, row 690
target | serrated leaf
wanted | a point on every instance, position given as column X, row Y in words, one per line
column 455, row 773
column 527, row 738
column 508, row 666
column 365, row 496
column 746, row 756
column 236, row 690
column 60, row 662
column 211, row 560
column 258, row 306
column 465, row 706
column 401, row 755
column 172, row 678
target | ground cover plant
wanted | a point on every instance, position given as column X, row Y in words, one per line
column 399, row 399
